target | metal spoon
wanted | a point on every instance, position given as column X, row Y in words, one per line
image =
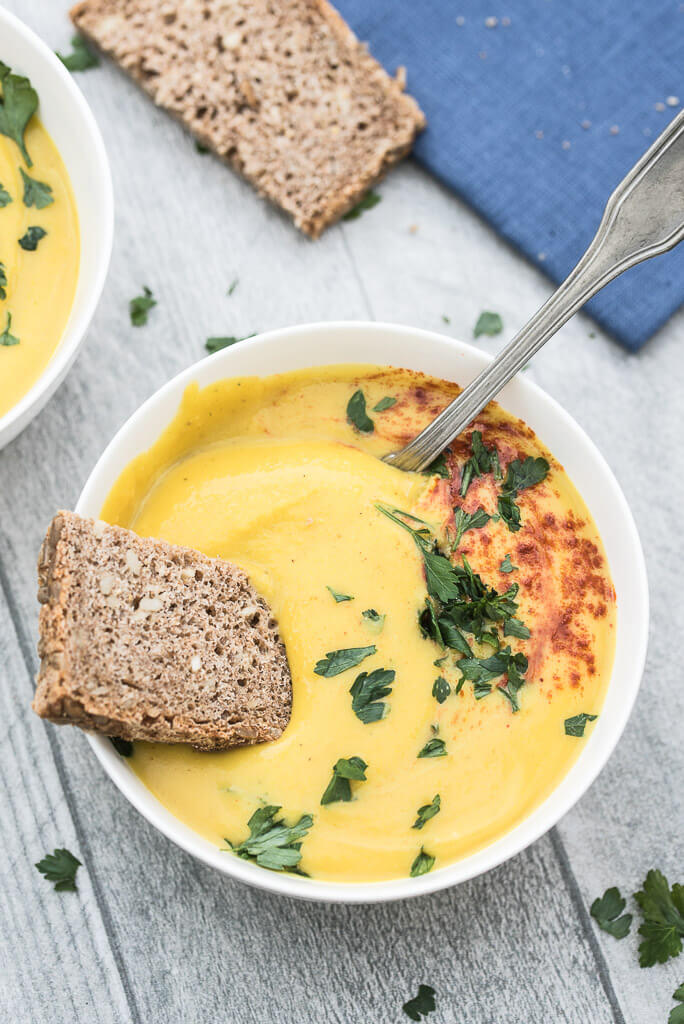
column 644, row 217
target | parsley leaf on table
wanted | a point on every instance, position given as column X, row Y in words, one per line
column 6, row 338
column 677, row 1012
column 339, row 661
column 422, row 1004
column 60, row 867
column 216, row 344
column 18, row 104
column 367, row 692
column 422, row 864
column 606, row 911
column 36, row 193
column 272, row 843
column 427, row 811
column 81, row 57
column 370, row 200
column 575, row 726
column 29, row 241
column 357, row 415
column 662, row 910
column 140, row 306
column 344, row 770
column 488, row 323
column 338, row 596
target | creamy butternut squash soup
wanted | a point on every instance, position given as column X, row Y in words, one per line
column 450, row 634
column 39, row 244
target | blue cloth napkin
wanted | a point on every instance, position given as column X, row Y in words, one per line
column 536, row 110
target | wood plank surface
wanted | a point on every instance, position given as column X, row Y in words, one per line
column 153, row 936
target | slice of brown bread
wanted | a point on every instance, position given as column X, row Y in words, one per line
column 146, row 640
column 282, row 90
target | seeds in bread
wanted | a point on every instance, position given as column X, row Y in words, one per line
column 284, row 92
column 142, row 639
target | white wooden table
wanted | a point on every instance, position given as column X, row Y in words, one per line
column 152, row 936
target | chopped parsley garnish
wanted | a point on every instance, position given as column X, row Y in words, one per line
column 433, row 748
column 427, row 811
column 422, row 864
column 367, row 692
column 32, row 237
column 201, row 147
column 346, row 769
column 272, row 843
column 3, row 281
column 60, row 867
column 677, row 1012
column 140, row 306
column 357, row 415
column 438, row 467
column 339, row 661
column 385, row 403
column 216, row 344
column 36, row 193
column 424, row 1002
column 373, row 620
column 370, row 200
column 483, row 460
column 488, row 323
column 233, row 285
column 514, row 627
column 6, row 338
column 18, row 104
column 339, row 597
column 122, row 747
column 507, row 565
column 440, row 689
column 575, row 726
column 5, row 197
column 481, row 690
column 662, row 909
column 464, row 521
column 606, row 911
column 81, row 57
column 519, row 476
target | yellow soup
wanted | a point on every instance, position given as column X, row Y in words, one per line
column 270, row 474
column 40, row 282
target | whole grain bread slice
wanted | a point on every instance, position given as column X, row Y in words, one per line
column 283, row 91
column 146, row 640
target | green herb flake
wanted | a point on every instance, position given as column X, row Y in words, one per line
column 446, row 319
column 339, row 597
column 662, row 929
column 677, row 1012
column 81, row 57
column 488, row 323
column 202, row 148
column 606, row 911
column 481, row 690
column 427, row 811
column 5, row 197
column 216, row 344
column 18, row 105
column 29, row 241
column 122, row 747
column 385, row 403
column 370, row 200
column 438, row 467
column 233, row 285
column 60, row 867
column 339, row 661
column 367, row 692
column 424, row 1002
column 36, row 193
column 357, row 415
column 434, row 748
column 140, row 306
column 272, row 843
column 519, row 476
column 3, row 281
column 422, row 864
column 373, row 620
column 507, row 565
column 345, row 770
column 483, row 460
column 6, row 338
column 575, row 726
column 514, row 627
column 440, row 689
column 464, row 521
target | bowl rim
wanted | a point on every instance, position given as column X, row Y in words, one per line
column 74, row 334
column 604, row 735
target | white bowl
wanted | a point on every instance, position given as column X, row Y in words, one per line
column 68, row 119
column 317, row 344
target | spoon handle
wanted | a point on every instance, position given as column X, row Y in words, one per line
column 643, row 217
